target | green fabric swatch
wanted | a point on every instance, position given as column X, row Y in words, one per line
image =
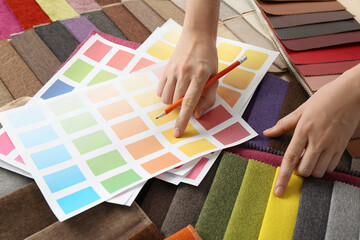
column 219, row 203
column 102, row 76
column 249, row 209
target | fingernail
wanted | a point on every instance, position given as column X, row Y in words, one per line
column 279, row 191
column 177, row 132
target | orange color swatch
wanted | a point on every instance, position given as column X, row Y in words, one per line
column 115, row 110
column 239, row 78
column 143, row 63
column 129, row 128
column 230, row 96
column 120, row 60
column 160, row 163
column 144, row 147
column 102, row 93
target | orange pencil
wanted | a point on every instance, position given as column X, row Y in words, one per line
column 211, row 81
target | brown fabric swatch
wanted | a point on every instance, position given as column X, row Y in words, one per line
column 150, row 19
column 5, row 95
column 15, row 74
column 107, row 2
column 317, row 29
column 127, row 23
column 36, row 54
column 167, row 9
column 354, row 147
column 308, row 18
column 288, row 8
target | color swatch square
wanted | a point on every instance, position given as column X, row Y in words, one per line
column 51, row 157
column 91, row 142
column 78, row 199
column 194, row 173
column 38, row 136
column 160, row 163
column 228, row 52
column 165, row 119
column 239, row 78
column 102, row 76
column 105, row 162
column 161, row 50
column 147, row 99
column 231, row 134
column 78, row 71
column 196, row 147
column 190, row 131
column 65, row 105
column 120, row 181
column 142, row 63
column 26, row 117
column 120, row 60
column 255, row 59
column 6, row 145
column 136, row 82
column 56, row 89
column 214, row 117
column 172, row 36
column 78, row 122
column 159, row 72
column 115, row 110
column 102, row 93
column 97, row 51
column 230, row 96
column 144, row 147
column 129, row 128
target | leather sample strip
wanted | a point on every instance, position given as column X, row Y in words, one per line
column 82, row 6
column 36, row 54
column 326, row 68
column 8, row 22
column 316, row 82
column 57, row 9
column 219, row 203
column 166, row 10
column 188, row 233
column 79, row 27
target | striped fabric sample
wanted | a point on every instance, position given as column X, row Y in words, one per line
column 80, row 27
column 166, row 10
column 251, row 202
column 82, row 6
column 216, row 211
column 57, row 9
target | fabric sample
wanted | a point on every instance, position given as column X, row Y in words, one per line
column 9, row 23
column 36, row 54
column 11, row 181
column 268, row 158
column 280, row 215
column 226, row 12
column 355, row 164
column 313, row 209
column 248, row 213
column 353, row 7
column 344, row 217
column 224, row 32
column 317, row 29
column 308, row 18
column 107, row 2
column 82, row 6
column 28, row 13
column 166, row 10
column 188, row 233
column 80, row 27
column 57, row 9
column 240, row 6
column 180, row 4
column 326, row 68
column 316, row 82
column 58, row 39
column 14, row 104
column 353, row 147
column 187, row 203
column 150, row 19
column 5, row 95
column 253, row 19
column 217, row 208
column 127, row 23
column 15, row 74
column 104, row 24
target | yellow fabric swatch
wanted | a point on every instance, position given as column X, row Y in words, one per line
column 57, row 9
column 280, row 215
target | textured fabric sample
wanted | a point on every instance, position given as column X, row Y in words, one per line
column 316, row 82
column 11, row 181
column 5, row 95
column 180, row 3
column 82, row 6
column 166, row 10
column 219, row 203
column 187, row 203
column 224, row 32
column 150, row 19
column 240, row 6
column 80, row 27
column 14, row 104
column 188, row 233
column 127, row 23
column 58, row 39
column 280, row 215
column 36, row 54
column 268, row 158
column 251, row 202
column 104, row 23
column 313, row 209
column 226, row 12
column 253, row 19
column 8, row 22
column 28, row 13
column 344, row 217
column 15, row 74
column 57, row 9
column 326, row 68
column 107, row 2
column 355, row 164
column 353, row 147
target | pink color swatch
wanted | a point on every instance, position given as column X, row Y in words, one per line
column 6, row 145
column 19, row 159
column 197, row 169
column 120, row 60
column 214, row 117
column 143, row 63
column 97, row 51
column 231, row 134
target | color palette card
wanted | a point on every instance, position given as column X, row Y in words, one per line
column 84, row 147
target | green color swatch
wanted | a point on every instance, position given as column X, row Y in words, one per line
column 120, row 181
column 102, row 76
column 105, row 162
column 78, row 71
column 91, row 142
column 78, row 122
column 65, row 105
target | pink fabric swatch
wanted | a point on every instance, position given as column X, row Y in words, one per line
column 8, row 22
column 82, row 6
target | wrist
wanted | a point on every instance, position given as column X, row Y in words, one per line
column 352, row 80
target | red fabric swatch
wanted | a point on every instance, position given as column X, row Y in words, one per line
column 326, row 68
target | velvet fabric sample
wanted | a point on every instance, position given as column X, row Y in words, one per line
column 240, row 6
column 150, row 19
column 251, row 202
column 313, row 209
column 58, row 39
column 316, row 82
column 326, row 68
column 219, row 203
column 8, row 22
column 107, row 2
column 82, row 6
column 187, row 203
column 80, row 27
column 127, row 23
column 57, row 9
column 5, row 95
column 11, row 181
column 344, row 217
column 104, row 23
column 188, row 233
column 36, row 54
column 166, row 10
column 15, row 74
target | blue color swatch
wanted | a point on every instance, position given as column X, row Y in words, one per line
column 51, row 157
column 64, row 178
column 78, row 200
column 26, row 117
column 38, row 136
column 57, row 89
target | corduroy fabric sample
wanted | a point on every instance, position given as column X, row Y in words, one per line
column 104, row 23
column 313, row 209
column 57, row 9
column 187, row 203
column 58, row 39
column 11, row 181
column 344, row 217
column 82, row 6
column 240, row 6
column 280, row 215
column 251, row 202
column 166, row 10
column 8, row 22
column 36, row 54
column 187, row 233
column 150, row 19
column 224, row 32
column 127, row 23
column 219, row 203
column 5, row 95
column 107, row 2
column 80, row 27
column 15, row 74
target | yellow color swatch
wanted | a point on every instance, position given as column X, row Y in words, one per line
column 161, row 50
column 229, row 96
column 196, row 147
column 228, row 52
column 147, row 99
column 255, row 59
column 165, row 119
column 280, row 215
column 190, row 131
column 239, row 78
column 57, row 9
column 173, row 35
column 221, row 66
column 102, row 93
column 136, row 82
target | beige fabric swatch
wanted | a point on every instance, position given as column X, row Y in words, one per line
column 226, row 12
column 224, row 32
column 5, row 95
column 241, row 6
column 180, row 3
column 253, row 19
column 16, row 103
column 353, row 6
column 167, row 9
